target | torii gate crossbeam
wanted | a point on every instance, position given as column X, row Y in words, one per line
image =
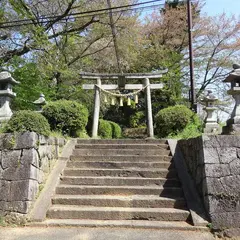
column 146, row 86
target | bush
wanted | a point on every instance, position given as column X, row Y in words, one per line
column 116, row 130
column 192, row 130
column 104, row 129
column 26, row 120
column 66, row 116
column 172, row 120
column 137, row 120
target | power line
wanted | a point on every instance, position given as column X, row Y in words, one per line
column 83, row 13
column 63, row 20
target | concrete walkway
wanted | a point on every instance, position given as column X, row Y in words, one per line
column 57, row 233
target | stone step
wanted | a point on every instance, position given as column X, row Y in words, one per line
column 129, row 158
column 122, row 146
column 170, row 192
column 139, row 224
column 121, row 141
column 119, row 181
column 143, row 173
column 119, row 165
column 120, row 152
column 137, row 201
column 117, row 213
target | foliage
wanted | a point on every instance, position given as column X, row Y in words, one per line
column 192, row 130
column 26, row 120
column 172, row 120
column 116, row 130
column 120, row 115
column 66, row 116
column 32, row 83
column 82, row 134
column 105, row 129
column 137, row 120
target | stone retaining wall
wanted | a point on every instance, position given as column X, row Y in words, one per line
column 25, row 161
column 214, row 164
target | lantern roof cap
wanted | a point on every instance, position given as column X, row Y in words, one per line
column 234, row 75
column 7, row 77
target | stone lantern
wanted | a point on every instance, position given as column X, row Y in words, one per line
column 210, row 122
column 40, row 102
column 233, row 124
column 6, row 94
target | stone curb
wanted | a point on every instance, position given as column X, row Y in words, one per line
column 194, row 203
column 38, row 213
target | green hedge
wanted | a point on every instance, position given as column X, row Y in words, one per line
column 105, row 129
column 66, row 116
column 171, row 120
column 26, row 120
column 116, row 130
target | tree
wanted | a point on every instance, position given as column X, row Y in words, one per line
column 216, row 47
column 32, row 25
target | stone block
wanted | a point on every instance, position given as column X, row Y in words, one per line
column 213, row 186
column 30, row 156
column 231, row 184
column 223, row 203
column 43, row 140
column 235, row 167
column 27, row 140
column 217, row 170
column 45, row 165
column 5, row 190
column 232, row 232
column 51, row 141
column 24, row 190
column 7, row 141
column 227, row 155
column 19, row 206
column 225, row 220
column 21, row 172
column 221, row 141
column 211, row 155
column 2, row 207
column 43, row 151
column 11, row 158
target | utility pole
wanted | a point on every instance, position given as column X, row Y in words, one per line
column 192, row 82
column 114, row 33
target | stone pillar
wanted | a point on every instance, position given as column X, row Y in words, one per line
column 6, row 95
column 210, row 123
column 148, row 108
column 96, row 110
column 40, row 102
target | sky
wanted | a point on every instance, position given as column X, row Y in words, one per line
column 214, row 7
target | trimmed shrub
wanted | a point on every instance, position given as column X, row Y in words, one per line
column 26, row 120
column 116, row 130
column 66, row 116
column 105, row 129
column 172, row 120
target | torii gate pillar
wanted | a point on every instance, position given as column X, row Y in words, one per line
column 148, row 103
column 96, row 110
column 145, row 86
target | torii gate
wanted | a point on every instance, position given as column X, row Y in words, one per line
column 146, row 86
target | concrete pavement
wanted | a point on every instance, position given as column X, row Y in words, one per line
column 61, row 233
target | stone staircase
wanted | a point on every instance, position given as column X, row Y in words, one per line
column 130, row 183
